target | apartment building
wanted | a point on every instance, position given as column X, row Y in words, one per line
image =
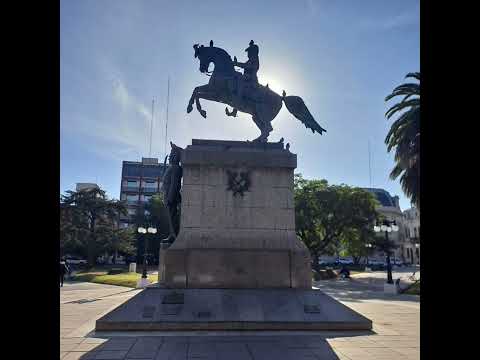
column 140, row 181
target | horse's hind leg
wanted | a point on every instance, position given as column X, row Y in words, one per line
column 192, row 98
column 199, row 107
column 264, row 125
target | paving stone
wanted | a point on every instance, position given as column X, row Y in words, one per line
column 145, row 347
column 79, row 355
column 305, row 354
column 67, row 347
column 324, row 352
column 111, row 354
column 172, row 351
column 267, row 350
column 232, row 351
column 73, row 340
column 120, row 343
column 87, row 347
column 201, row 350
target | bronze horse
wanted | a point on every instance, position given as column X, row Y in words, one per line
column 229, row 87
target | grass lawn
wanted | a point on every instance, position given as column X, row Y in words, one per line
column 354, row 272
column 128, row 279
column 414, row 289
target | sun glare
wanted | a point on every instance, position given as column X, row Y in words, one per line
column 274, row 83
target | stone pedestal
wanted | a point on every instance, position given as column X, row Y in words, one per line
column 237, row 232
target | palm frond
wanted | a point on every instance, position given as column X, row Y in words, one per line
column 415, row 75
column 404, row 137
column 405, row 89
column 402, row 105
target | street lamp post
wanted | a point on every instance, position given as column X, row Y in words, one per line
column 368, row 246
column 417, row 253
column 142, row 230
column 387, row 227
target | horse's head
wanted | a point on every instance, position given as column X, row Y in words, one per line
column 207, row 55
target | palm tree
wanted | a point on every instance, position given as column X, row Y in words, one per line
column 404, row 137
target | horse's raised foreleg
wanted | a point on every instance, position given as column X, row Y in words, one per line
column 200, row 92
column 192, row 99
column 205, row 92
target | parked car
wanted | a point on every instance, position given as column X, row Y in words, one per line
column 398, row 262
column 345, row 261
column 73, row 260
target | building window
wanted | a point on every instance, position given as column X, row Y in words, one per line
column 131, row 212
column 415, row 232
column 133, row 183
column 150, row 184
column 132, row 198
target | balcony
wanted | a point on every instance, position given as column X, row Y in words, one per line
column 134, row 189
column 149, row 190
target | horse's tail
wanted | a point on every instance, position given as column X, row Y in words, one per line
column 297, row 108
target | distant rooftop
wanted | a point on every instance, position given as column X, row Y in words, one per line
column 148, row 167
column 382, row 196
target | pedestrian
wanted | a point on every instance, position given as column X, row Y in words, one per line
column 344, row 273
column 63, row 269
column 68, row 268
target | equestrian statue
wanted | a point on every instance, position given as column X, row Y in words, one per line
column 171, row 185
column 243, row 92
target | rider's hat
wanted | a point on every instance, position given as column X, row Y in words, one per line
column 252, row 48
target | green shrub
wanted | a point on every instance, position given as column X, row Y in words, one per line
column 413, row 289
column 124, row 279
column 115, row 271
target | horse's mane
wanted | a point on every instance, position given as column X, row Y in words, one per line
column 224, row 57
column 222, row 52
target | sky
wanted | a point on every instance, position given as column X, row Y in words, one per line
column 341, row 57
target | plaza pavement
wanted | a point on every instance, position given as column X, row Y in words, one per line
column 395, row 335
column 376, row 279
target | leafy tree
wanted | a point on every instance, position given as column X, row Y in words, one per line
column 404, row 137
column 90, row 216
column 325, row 214
column 72, row 232
column 112, row 239
column 354, row 241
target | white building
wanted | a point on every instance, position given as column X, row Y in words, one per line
column 412, row 234
column 389, row 208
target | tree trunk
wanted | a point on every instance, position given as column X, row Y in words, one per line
column 315, row 266
column 91, row 244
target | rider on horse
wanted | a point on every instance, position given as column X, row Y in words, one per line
column 250, row 69
column 252, row 65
